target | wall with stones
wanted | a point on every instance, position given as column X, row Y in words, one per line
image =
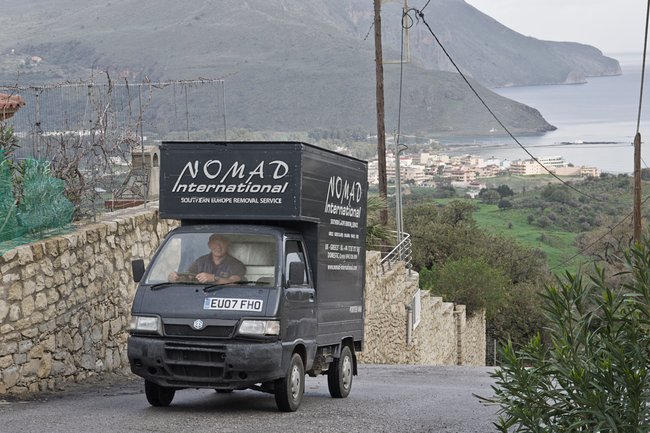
column 64, row 302
column 443, row 335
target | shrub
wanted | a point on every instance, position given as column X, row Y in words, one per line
column 471, row 282
column 595, row 375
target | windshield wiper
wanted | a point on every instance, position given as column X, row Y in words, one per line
column 213, row 287
column 166, row 284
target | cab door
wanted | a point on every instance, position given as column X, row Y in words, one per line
column 299, row 294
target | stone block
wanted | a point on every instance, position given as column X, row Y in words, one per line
column 58, row 368
column 25, row 346
column 29, row 333
column 9, row 277
column 10, row 376
column 14, row 312
column 9, row 255
column 51, row 247
column 6, row 361
column 5, row 329
column 4, row 310
column 41, row 301
column 77, row 342
column 45, row 366
column 15, row 291
column 25, row 254
column 30, row 368
column 27, row 306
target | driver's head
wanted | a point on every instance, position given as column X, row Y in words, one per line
column 218, row 245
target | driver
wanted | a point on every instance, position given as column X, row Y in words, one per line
column 218, row 266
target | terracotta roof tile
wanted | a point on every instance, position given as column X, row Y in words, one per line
column 9, row 104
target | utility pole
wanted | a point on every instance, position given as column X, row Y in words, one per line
column 636, row 219
column 381, row 128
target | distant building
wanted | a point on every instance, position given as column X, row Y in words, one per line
column 526, row 167
column 590, row 171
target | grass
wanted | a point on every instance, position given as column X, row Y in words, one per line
column 558, row 245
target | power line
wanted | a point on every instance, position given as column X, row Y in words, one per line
column 645, row 48
column 583, row 250
column 420, row 16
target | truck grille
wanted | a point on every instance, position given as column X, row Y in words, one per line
column 208, row 331
column 195, row 362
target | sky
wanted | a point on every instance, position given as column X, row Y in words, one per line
column 613, row 26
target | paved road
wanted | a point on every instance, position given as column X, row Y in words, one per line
column 383, row 399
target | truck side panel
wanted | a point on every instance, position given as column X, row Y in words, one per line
column 334, row 190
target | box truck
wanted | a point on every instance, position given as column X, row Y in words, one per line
column 263, row 281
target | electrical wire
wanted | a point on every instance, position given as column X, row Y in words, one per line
column 583, row 250
column 420, row 16
column 645, row 49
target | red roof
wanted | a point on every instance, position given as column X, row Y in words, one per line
column 9, row 104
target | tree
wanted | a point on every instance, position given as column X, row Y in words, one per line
column 491, row 196
column 504, row 204
column 473, row 283
column 505, row 191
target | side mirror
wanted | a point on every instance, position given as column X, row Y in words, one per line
column 296, row 274
column 137, row 268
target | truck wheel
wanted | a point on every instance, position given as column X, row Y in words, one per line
column 157, row 395
column 289, row 389
column 339, row 374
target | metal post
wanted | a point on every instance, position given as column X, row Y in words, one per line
column 409, row 323
column 398, row 192
column 223, row 98
column 144, row 169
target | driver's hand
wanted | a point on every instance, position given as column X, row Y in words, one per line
column 173, row 277
column 204, row 277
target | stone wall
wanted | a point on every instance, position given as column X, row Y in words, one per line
column 65, row 302
column 443, row 335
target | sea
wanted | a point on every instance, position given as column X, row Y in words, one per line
column 596, row 121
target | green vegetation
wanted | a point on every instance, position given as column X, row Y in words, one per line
column 464, row 263
column 556, row 244
column 463, row 246
column 595, row 376
column 31, row 199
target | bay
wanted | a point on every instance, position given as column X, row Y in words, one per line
column 596, row 122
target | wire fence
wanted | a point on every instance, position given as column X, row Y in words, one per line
column 88, row 131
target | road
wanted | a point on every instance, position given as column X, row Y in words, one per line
column 383, row 399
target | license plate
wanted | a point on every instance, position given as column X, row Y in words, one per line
column 233, row 304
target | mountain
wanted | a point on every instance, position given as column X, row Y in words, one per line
column 493, row 54
column 289, row 65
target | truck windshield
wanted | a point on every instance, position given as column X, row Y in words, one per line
column 215, row 258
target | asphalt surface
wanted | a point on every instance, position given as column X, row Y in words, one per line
column 383, row 399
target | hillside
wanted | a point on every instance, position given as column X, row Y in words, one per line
column 495, row 55
column 289, row 65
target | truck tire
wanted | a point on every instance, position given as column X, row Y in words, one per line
column 157, row 395
column 290, row 389
column 339, row 374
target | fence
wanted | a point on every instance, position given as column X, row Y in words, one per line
column 88, row 130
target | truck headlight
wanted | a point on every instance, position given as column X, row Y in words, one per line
column 148, row 324
column 259, row 327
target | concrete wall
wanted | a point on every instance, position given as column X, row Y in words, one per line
column 65, row 302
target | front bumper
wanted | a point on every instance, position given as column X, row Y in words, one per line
column 180, row 363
